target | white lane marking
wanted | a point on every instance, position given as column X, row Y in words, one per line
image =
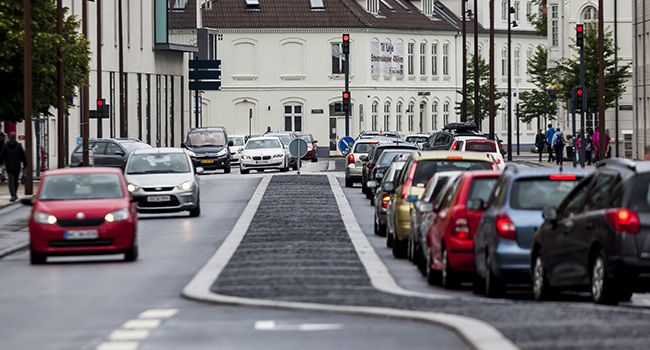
column 158, row 313
column 130, row 345
column 129, row 334
column 331, row 165
column 304, row 327
column 141, row 324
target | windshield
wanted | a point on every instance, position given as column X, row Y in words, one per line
column 427, row 168
column 81, row 186
column 206, row 138
column 537, row 193
column 416, row 139
column 236, row 141
column 306, row 138
column 387, row 157
column 259, row 144
column 481, row 187
column 132, row 146
column 480, row 146
column 158, row 163
column 363, row 147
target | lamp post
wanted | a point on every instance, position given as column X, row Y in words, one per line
column 511, row 10
column 463, row 116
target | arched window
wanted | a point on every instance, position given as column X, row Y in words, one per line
column 445, row 113
column 504, row 62
column 434, row 59
column 409, row 114
column 434, row 115
column 445, row 59
column 398, row 115
column 375, row 108
column 517, row 62
column 590, row 14
column 386, row 116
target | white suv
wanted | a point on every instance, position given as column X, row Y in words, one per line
column 354, row 165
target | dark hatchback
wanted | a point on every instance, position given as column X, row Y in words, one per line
column 370, row 161
column 112, row 152
column 209, row 148
column 598, row 238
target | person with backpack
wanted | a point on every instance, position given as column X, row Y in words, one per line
column 558, row 142
column 549, row 137
column 12, row 155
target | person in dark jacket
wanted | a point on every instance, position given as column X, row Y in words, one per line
column 12, row 155
column 540, row 142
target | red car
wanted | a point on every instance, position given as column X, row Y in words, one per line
column 312, row 148
column 82, row 211
column 450, row 235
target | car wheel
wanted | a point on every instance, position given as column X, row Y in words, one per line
column 494, row 286
column 603, row 289
column 314, row 160
column 372, row 200
column 36, row 258
column 197, row 210
column 364, row 189
column 478, row 283
column 132, row 253
column 389, row 238
column 348, row 182
column 433, row 276
column 422, row 260
column 449, row 275
column 244, row 171
column 416, row 254
column 541, row 288
column 369, row 194
column 226, row 170
column 399, row 248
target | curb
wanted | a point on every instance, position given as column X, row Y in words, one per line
column 477, row 334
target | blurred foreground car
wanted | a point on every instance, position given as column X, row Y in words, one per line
column 263, row 153
column 163, row 180
column 82, row 211
column 598, row 238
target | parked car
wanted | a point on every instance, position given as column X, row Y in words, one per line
column 108, row 152
column 382, row 165
column 422, row 216
column 382, row 197
column 503, row 239
column 443, row 140
column 163, row 180
column 354, row 167
column 312, row 147
column 209, row 148
column 450, row 255
column 261, row 153
column 420, row 167
column 598, row 237
column 286, row 137
column 498, row 141
column 370, row 160
column 418, row 139
column 476, row 144
column 82, row 211
column 238, row 142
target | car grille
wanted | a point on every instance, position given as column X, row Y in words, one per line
column 261, row 157
column 173, row 202
column 206, row 155
column 81, row 243
column 89, row 222
column 157, row 189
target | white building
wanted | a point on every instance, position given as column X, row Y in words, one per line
column 641, row 78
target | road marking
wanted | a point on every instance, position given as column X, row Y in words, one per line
column 304, row 327
column 129, row 334
column 331, row 165
column 131, row 345
column 158, row 313
column 140, row 324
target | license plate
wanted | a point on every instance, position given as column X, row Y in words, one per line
column 261, row 161
column 207, row 161
column 158, row 199
column 81, row 234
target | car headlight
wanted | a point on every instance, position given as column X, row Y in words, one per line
column 43, row 218
column 278, row 156
column 190, row 153
column 222, row 152
column 132, row 187
column 245, row 157
column 185, row 186
column 118, row 215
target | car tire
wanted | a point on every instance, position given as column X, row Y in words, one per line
column 450, row 278
column 494, row 285
column 433, row 276
column 400, row 248
column 244, row 171
column 364, row 189
column 314, row 160
column 372, row 200
column 542, row 290
column 226, row 170
column 369, row 194
column 348, row 182
column 197, row 210
column 604, row 289
column 478, row 283
column 132, row 253
column 36, row 258
column 389, row 238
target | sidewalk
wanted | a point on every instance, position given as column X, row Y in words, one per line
column 533, row 159
column 14, row 235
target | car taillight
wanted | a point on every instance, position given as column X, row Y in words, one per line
column 461, row 229
column 455, row 146
column 350, row 158
column 623, row 220
column 561, row 177
column 385, row 200
column 406, row 190
column 505, row 227
column 371, row 165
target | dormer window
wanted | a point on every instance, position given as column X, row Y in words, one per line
column 317, row 5
column 373, row 6
column 252, row 5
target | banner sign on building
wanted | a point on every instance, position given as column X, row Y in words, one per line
column 387, row 59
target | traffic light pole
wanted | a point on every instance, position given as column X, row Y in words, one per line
column 347, row 88
column 584, row 105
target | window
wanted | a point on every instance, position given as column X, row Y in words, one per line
column 600, row 192
column 555, row 34
column 386, row 116
column 409, row 114
column 445, row 113
column 410, row 58
column 374, row 108
column 445, row 59
column 504, row 10
column 517, row 6
column 529, row 56
column 434, row 59
column 398, row 115
column 338, row 59
column 372, row 6
column 317, row 5
column 590, row 14
column 529, row 8
column 517, row 62
column 293, row 118
column 504, row 62
column 434, row 115
column 423, row 51
column 574, row 200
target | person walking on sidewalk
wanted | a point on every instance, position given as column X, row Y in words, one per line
column 540, row 141
column 549, row 137
column 558, row 142
column 12, row 156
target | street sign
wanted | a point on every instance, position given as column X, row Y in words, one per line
column 345, row 143
column 298, row 148
column 205, row 74
column 205, row 85
column 194, row 64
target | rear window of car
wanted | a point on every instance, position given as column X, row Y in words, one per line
column 481, row 187
column 415, row 139
column 363, row 147
column 306, row 138
column 158, row 163
column 480, row 146
column 132, row 146
column 206, row 138
column 537, row 193
column 387, row 157
column 81, row 186
column 427, row 168
column 236, row 141
column 640, row 199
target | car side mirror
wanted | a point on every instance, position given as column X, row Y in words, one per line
column 372, row 184
column 199, row 170
column 388, row 187
column 379, row 175
column 230, row 144
column 27, row 200
column 411, row 198
column 550, row 214
column 120, row 153
column 371, row 165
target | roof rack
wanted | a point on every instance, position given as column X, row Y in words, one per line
column 617, row 162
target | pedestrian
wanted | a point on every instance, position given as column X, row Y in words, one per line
column 2, row 143
column 558, row 142
column 549, row 137
column 589, row 146
column 12, row 155
column 268, row 130
column 540, row 141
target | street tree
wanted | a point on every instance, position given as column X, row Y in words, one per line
column 539, row 19
column 615, row 78
column 483, row 92
column 45, row 43
column 538, row 103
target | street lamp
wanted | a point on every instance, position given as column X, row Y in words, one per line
column 513, row 24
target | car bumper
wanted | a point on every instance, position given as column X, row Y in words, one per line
column 234, row 158
column 310, row 154
column 511, row 262
column 113, row 238
column 248, row 164
column 178, row 201
column 212, row 163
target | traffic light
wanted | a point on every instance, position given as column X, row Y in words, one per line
column 100, row 107
column 579, row 97
column 346, row 43
column 580, row 33
column 346, row 100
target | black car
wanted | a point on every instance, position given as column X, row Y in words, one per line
column 111, row 152
column 370, row 161
column 443, row 140
column 598, row 238
column 209, row 148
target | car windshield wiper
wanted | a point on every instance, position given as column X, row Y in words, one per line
column 156, row 171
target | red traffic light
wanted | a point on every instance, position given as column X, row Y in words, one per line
column 579, row 28
column 346, row 37
column 579, row 92
column 100, row 102
column 346, row 95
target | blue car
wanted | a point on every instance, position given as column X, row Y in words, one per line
column 513, row 212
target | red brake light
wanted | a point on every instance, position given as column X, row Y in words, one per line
column 406, row 190
column 623, row 220
column 562, row 177
column 455, row 146
column 371, row 165
column 385, row 200
column 461, row 229
column 505, row 227
column 454, row 157
column 350, row 158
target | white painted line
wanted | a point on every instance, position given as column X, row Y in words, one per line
column 264, row 325
column 141, row 324
column 129, row 345
column 158, row 313
column 331, row 165
column 304, row 327
column 123, row 334
column 309, row 327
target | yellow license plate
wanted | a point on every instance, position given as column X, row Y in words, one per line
column 207, row 161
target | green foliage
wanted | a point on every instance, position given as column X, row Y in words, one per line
column 538, row 103
column 483, row 92
column 614, row 78
column 539, row 20
column 45, row 43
